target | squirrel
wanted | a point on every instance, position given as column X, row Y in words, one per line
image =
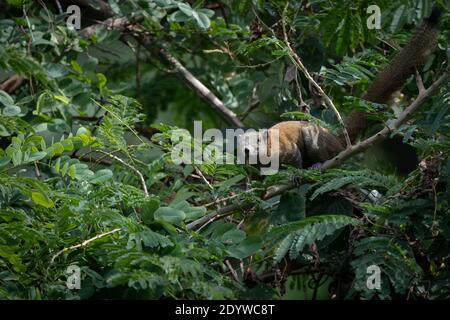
column 304, row 144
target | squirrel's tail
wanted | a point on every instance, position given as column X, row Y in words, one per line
column 392, row 77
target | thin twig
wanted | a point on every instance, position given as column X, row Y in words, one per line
column 138, row 173
column 203, row 178
column 233, row 272
column 37, row 171
column 58, row 5
column 253, row 105
column 231, row 197
column 84, row 243
column 419, row 82
column 299, row 64
column 218, row 214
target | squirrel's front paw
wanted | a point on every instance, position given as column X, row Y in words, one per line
column 317, row 165
column 296, row 181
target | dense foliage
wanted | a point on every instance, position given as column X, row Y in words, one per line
column 86, row 177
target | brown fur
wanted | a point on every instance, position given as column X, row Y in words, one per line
column 303, row 144
column 393, row 76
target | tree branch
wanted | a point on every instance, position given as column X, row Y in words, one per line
column 344, row 155
column 299, row 64
column 200, row 88
column 191, row 80
column 138, row 173
column 113, row 23
column 384, row 133
column 12, row 83
column 84, row 243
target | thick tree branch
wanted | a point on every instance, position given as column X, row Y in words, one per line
column 12, row 83
column 177, row 66
column 113, row 23
column 394, row 125
column 344, row 155
column 218, row 214
column 200, row 88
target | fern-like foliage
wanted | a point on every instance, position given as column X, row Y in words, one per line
column 305, row 232
column 398, row 267
column 361, row 179
column 359, row 69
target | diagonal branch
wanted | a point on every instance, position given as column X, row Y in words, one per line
column 177, row 66
column 138, row 173
column 344, row 155
column 394, row 125
column 83, row 244
column 200, row 88
column 419, row 82
column 299, row 64
column 12, row 83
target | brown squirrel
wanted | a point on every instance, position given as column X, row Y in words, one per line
column 304, row 144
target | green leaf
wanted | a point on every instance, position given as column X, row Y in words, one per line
column 201, row 19
column 227, row 184
column 185, row 8
column 72, row 171
column 76, row 67
column 67, row 144
column 62, row 98
column 4, row 132
column 6, row 99
column 7, row 253
column 296, row 235
column 101, row 176
column 233, row 236
column 11, row 111
column 40, row 102
column 149, row 239
column 292, row 206
column 170, row 215
column 17, row 3
column 178, row 16
column 4, row 161
column 246, row 248
column 82, row 171
column 207, row 12
column 65, row 168
column 35, row 156
column 148, row 210
column 42, row 200
column 193, row 213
